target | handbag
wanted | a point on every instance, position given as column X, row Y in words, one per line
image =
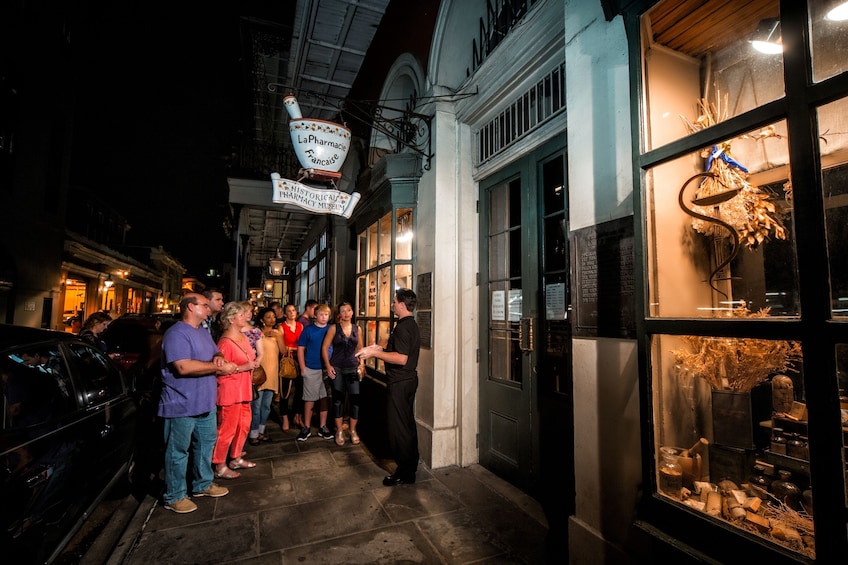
column 288, row 367
column 258, row 376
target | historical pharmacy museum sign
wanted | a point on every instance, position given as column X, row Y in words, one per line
column 603, row 279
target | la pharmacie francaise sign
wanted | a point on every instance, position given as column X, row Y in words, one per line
column 317, row 200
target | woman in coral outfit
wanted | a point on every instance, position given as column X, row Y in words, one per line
column 235, row 393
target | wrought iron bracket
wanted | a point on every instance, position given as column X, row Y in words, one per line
column 407, row 128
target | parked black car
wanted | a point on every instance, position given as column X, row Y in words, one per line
column 134, row 343
column 67, row 437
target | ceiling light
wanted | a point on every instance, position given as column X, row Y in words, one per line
column 838, row 12
column 108, row 282
column 766, row 38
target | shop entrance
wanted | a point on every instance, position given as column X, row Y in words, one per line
column 526, row 411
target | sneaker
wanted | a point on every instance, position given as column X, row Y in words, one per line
column 214, row 491
column 325, row 432
column 182, row 506
column 304, row 434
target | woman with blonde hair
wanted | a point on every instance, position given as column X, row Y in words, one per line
column 235, row 392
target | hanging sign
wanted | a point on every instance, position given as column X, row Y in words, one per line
column 317, row 200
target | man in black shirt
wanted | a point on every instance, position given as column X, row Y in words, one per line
column 401, row 360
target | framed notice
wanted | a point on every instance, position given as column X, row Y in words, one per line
column 602, row 263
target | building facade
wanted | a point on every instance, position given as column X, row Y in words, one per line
column 604, row 282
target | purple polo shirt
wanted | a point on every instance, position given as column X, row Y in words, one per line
column 187, row 396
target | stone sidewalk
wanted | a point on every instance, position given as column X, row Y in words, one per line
column 318, row 503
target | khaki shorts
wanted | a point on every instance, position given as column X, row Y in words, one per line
column 313, row 385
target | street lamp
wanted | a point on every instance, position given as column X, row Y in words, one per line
column 108, row 282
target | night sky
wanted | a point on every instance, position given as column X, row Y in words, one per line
column 159, row 107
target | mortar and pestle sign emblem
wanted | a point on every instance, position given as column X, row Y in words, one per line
column 320, row 146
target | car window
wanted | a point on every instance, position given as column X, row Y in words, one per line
column 35, row 385
column 97, row 378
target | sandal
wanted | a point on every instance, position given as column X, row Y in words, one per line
column 253, row 441
column 240, row 463
column 354, row 437
column 339, row 438
column 263, row 437
column 226, row 473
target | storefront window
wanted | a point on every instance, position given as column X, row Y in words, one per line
column 381, row 272
column 731, row 213
column 702, row 61
column 833, row 143
column 829, row 32
column 842, row 380
column 720, row 224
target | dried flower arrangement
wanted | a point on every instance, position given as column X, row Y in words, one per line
column 747, row 208
column 737, row 364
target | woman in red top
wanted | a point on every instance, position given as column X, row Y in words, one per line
column 234, row 393
column 291, row 404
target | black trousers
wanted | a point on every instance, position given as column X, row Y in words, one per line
column 401, row 429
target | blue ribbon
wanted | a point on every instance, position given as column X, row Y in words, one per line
column 720, row 153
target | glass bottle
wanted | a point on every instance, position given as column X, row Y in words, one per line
column 759, row 478
column 794, row 446
column 786, row 491
column 778, row 441
column 671, row 474
column 782, row 394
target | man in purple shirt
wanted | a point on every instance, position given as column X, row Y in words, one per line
column 190, row 363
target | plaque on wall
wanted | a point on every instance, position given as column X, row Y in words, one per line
column 424, row 291
column 425, row 328
column 602, row 261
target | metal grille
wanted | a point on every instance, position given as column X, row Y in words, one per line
column 537, row 105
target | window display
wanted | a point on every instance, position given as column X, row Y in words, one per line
column 737, row 227
column 380, row 273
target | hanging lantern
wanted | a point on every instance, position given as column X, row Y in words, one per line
column 275, row 265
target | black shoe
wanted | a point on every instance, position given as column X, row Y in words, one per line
column 395, row 480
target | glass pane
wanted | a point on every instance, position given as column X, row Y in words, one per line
column 385, row 293
column 362, row 296
column 497, row 209
column 383, row 338
column 828, row 27
column 385, row 239
column 731, row 433
column 833, row 119
column 498, row 256
column 553, row 185
column 372, row 293
column 403, row 276
column 720, row 230
column 701, row 68
column 372, row 245
column 363, row 251
column 555, row 240
column 403, row 241
column 514, row 212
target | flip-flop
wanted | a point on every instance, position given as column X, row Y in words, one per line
column 241, row 464
column 227, row 474
column 263, row 437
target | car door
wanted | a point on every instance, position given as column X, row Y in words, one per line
column 38, row 449
column 107, row 416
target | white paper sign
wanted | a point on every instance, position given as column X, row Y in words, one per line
column 515, row 305
column 498, row 306
column 318, row 200
column 555, row 301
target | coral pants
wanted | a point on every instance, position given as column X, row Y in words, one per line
column 233, row 427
